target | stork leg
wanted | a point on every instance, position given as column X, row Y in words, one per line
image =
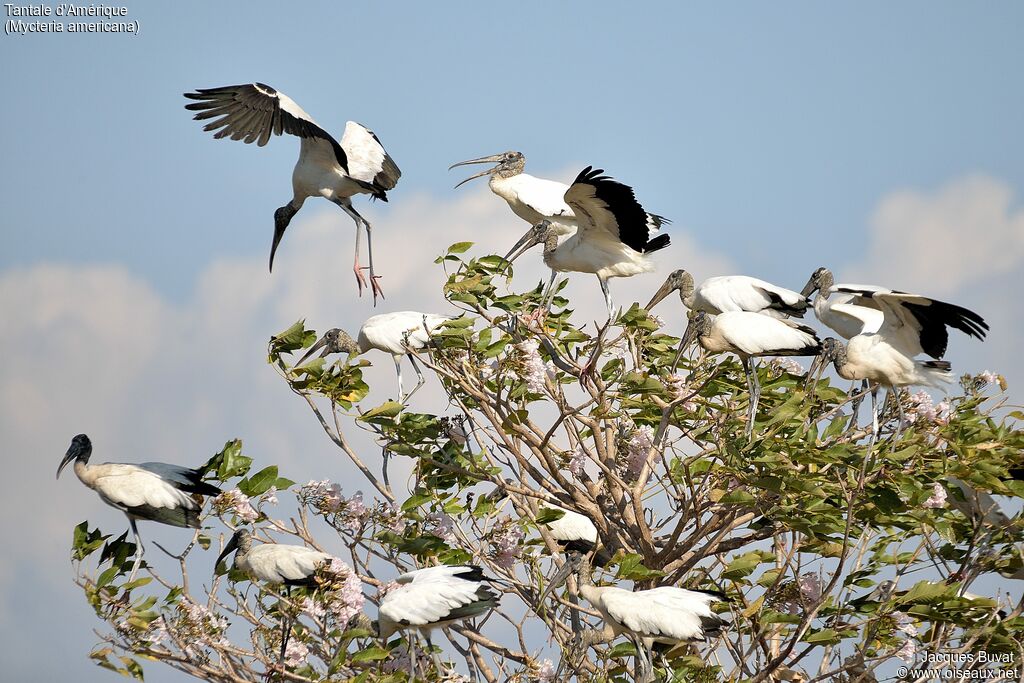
column 607, row 298
column 412, row 658
column 139, row 549
column 398, row 369
column 895, row 393
column 356, row 267
column 874, row 416
column 286, row 628
column 420, row 380
column 549, row 292
column 858, row 398
column 755, row 393
column 433, row 655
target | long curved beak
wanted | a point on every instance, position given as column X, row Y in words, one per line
column 68, row 457
column 525, row 243
column 558, row 578
column 688, row 336
column 492, row 159
column 814, row 372
column 228, row 549
column 809, row 288
column 666, row 289
column 320, row 344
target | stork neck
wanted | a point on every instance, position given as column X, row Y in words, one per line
column 825, row 287
column 85, row 474
column 550, row 245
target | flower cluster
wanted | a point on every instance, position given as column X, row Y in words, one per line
column 507, row 542
column 531, row 365
column 237, row 503
column 296, row 653
column 905, row 625
column 577, row 460
column 441, row 525
column 782, row 364
column 546, row 671
column 199, row 628
column 634, row 445
column 938, row 497
column 349, row 514
column 922, row 409
column 348, row 600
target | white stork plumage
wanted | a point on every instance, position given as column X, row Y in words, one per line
column 431, row 598
column 749, row 335
column 393, row 333
column 532, row 199
column 154, row 491
column 727, row 293
column 613, row 238
column 665, row 615
column 912, row 325
column 278, row 563
column 336, row 171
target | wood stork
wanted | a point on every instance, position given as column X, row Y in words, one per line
column 327, row 168
column 665, row 615
column 748, row 335
column 288, row 565
column 731, row 293
column 431, row 598
column 614, row 235
column 838, row 310
column 156, row 491
column 393, row 333
column 912, row 325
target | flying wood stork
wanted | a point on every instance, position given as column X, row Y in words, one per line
column 657, row 616
column 327, row 168
column 614, row 235
column 912, row 325
column 156, row 491
column 749, row 335
column 393, row 333
column 431, row 598
column 731, row 293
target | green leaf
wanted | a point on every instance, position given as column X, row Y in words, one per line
column 825, row 635
column 416, row 500
column 548, row 515
column 631, row 567
column 460, row 247
column 260, row 482
column 386, row 409
column 294, row 338
column 371, row 654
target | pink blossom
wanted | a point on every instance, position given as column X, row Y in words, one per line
column 989, row 377
column 270, row 496
column 312, row 608
column 938, row 497
column 534, row 371
column 238, row 503
column 636, row 447
column 441, row 525
column 507, row 544
column 810, row 587
column 295, row 653
column 546, row 671
column 576, row 462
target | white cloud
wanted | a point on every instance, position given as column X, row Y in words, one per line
column 95, row 349
column 965, row 232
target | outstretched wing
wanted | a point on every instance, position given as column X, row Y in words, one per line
column 610, row 207
column 255, row 111
column 368, row 160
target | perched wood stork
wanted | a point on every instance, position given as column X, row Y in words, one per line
column 326, row 168
column 665, row 615
column 287, row 565
column 748, row 335
column 614, row 235
column 156, row 491
column 731, row 293
column 839, row 310
column 912, row 325
column 431, row 598
column 393, row 333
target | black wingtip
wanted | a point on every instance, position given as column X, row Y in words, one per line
column 659, row 242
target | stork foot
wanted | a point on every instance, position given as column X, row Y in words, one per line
column 377, row 291
column 360, row 278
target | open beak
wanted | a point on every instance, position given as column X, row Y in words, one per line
column 228, row 549
column 666, row 289
column 815, row 371
column 68, row 457
column 559, row 577
column 525, row 243
column 688, row 336
column 320, row 344
column 492, row 159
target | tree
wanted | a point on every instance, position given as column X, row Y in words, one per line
column 841, row 556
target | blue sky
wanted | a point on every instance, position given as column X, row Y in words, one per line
column 880, row 139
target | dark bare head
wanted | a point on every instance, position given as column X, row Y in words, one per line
column 241, row 541
column 541, row 233
column 79, row 451
column 506, row 165
column 821, row 280
column 677, row 281
column 334, row 340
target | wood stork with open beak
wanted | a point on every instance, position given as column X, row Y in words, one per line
column 731, row 293
column 393, row 333
column 665, row 615
column 532, row 199
column 336, row 171
column 839, row 310
column 277, row 563
column 431, row 598
column 912, row 325
column 155, row 491
column 614, row 235
column 748, row 335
